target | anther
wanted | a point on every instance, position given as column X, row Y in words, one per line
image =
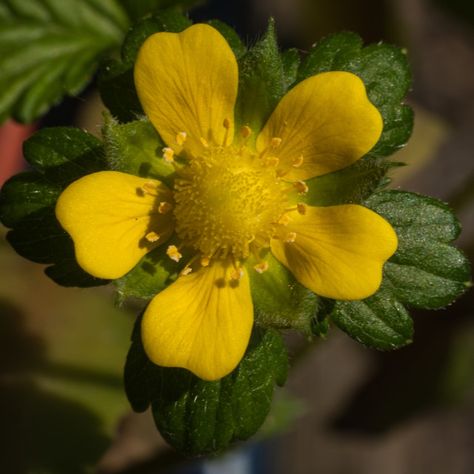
column 204, row 142
column 272, row 161
column 284, row 219
column 181, row 138
column 297, row 162
column 261, row 267
column 205, row 261
column 168, row 154
column 186, row 271
column 150, row 188
column 152, row 237
column 275, row 142
column 301, row 187
column 290, row 237
column 301, row 207
column 245, row 131
column 237, row 274
column 164, row 207
column 226, row 124
column 173, row 253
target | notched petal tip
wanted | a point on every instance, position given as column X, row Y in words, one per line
column 113, row 220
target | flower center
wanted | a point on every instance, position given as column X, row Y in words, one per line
column 228, row 202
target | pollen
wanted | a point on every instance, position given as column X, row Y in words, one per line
column 261, row 267
column 228, row 202
column 164, row 207
column 168, row 154
column 173, row 253
column 152, row 237
column 181, row 138
column 301, row 187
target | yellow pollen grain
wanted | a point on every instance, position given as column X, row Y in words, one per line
column 152, row 237
column 261, row 267
column 290, row 237
column 301, row 187
column 204, row 142
column 181, row 138
column 164, row 207
column 205, row 261
column 173, row 253
column 297, row 162
column 168, row 154
column 245, row 131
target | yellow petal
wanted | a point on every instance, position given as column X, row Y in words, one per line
column 338, row 251
column 187, row 82
column 108, row 214
column 328, row 120
column 201, row 322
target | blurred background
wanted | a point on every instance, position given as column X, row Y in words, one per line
column 345, row 409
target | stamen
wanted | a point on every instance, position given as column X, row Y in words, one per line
column 301, row 187
column 261, row 267
column 173, row 253
column 186, row 271
column 275, row 142
column 181, row 138
column 284, row 219
column 150, row 188
column 164, row 207
column 168, row 154
column 152, row 237
column 226, row 125
column 205, row 261
column 297, row 162
column 290, row 237
column 204, row 142
column 301, row 207
column 245, row 131
column 272, row 161
column 237, row 274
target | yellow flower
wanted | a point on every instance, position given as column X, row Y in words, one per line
column 235, row 197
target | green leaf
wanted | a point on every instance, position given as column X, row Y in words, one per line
column 353, row 184
column 116, row 83
column 261, row 81
column 198, row 417
column 290, row 62
column 379, row 321
column 51, row 48
column 386, row 73
column 425, row 272
column 279, row 300
column 135, row 148
column 27, row 201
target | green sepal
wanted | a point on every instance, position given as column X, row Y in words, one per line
column 198, row 417
column 116, row 83
column 135, row 148
column 51, row 48
column 291, row 62
column 27, row 201
column 353, row 184
column 262, row 81
column 380, row 321
column 137, row 9
column 426, row 271
column 153, row 273
column 386, row 73
column 230, row 35
column 279, row 300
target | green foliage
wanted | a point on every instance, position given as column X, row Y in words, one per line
column 279, row 300
column 262, row 81
column 198, row 417
column 135, row 148
column 353, row 184
column 379, row 321
column 386, row 73
column 137, row 9
column 116, row 84
column 425, row 272
column 27, row 201
column 51, row 48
